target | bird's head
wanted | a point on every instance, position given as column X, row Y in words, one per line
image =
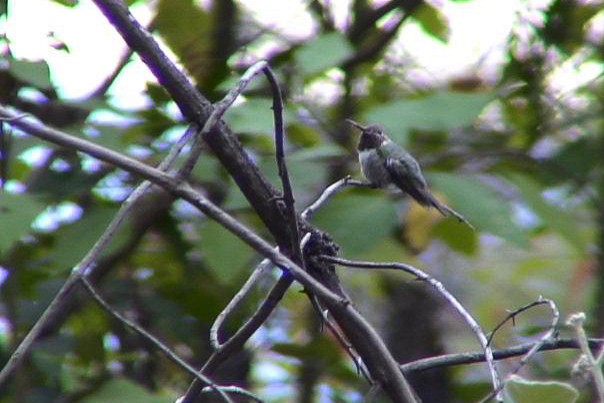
column 372, row 136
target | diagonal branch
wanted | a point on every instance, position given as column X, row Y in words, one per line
column 246, row 331
column 196, row 108
column 149, row 337
column 365, row 339
column 87, row 264
column 288, row 193
column 438, row 286
column 474, row 357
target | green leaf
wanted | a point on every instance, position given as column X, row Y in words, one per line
column 576, row 159
column 322, row 53
column 320, row 348
column 75, row 240
column 432, row 21
column 226, row 255
column 302, row 135
column 253, row 116
column 17, row 211
column 457, row 235
column 305, row 169
column 440, row 111
column 34, row 73
column 123, row 390
column 557, row 219
column 358, row 221
column 525, row 391
column 484, row 208
column 67, row 3
column 186, row 28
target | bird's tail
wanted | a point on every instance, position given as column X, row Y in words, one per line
column 448, row 211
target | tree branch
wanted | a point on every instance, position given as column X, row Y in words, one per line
column 237, row 341
column 288, row 193
column 549, row 335
column 365, row 339
column 474, row 357
column 152, row 339
column 438, row 286
column 196, row 108
column 91, row 257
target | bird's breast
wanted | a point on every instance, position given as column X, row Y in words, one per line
column 373, row 168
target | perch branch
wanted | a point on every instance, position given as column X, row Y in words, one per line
column 235, row 390
column 328, row 193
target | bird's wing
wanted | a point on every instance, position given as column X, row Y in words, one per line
column 408, row 178
column 406, row 174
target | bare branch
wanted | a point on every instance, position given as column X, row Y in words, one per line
column 474, row 357
column 152, row 339
column 75, row 143
column 236, row 342
column 233, row 389
column 371, row 347
column 196, row 108
column 439, row 287
column 88, row 261
column 235, row 301
column 288, row 193
column 259, row 193
column 549, row 335
column 219, row 110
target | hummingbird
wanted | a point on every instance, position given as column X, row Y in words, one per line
column 385, row 163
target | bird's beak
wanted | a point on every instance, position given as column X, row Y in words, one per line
column 355, row 124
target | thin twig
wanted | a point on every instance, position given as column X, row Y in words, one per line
column 236, row 390
column 235, row 301
column 512, row 316
column 327, row 194
column 374, row 352
column 549, row 335
column 439, row 287
column 219, row 109
column 474, row 357
column 240, row 337
column 15, row 117
column 102, row 89
column 131, row 201
column 152, row 339
column 88, row 261
column 288, row 193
